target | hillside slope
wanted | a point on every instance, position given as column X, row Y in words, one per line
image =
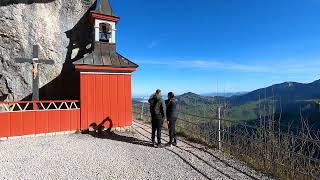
column 290, row 100
column 287, row 92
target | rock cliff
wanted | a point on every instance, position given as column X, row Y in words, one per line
column 60, row 29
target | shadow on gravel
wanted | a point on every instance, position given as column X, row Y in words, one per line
column 198, row 157
column 117, row 137
column 98, row 131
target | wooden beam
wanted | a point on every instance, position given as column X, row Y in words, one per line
column 95, row 15
column 107, row 68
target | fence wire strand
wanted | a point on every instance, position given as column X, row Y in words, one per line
column 206, row 127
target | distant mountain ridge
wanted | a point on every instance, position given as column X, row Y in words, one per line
column 290, row 95
column 190, row 98
column 225, row 94
column 287, row 92
column 291, row 101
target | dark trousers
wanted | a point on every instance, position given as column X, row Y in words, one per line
column 172, row 130
column 156, row 126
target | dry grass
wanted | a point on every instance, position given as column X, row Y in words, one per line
column 283, row 154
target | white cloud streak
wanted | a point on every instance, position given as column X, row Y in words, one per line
column 222, row 65
column 279, row 68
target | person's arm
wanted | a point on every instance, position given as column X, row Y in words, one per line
column 163, row 109
column 169, row 109
column 174, row 109
column 166, row 103
column 149, row 100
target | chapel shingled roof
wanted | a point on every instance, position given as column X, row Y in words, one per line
column 105, row 54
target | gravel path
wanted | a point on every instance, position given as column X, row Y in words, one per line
column 118, row 156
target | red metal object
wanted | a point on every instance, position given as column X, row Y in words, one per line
column 35, row 106
column 47, row 101
column 42, row 122
column 54, row 123
column 75, row 120
column 65, row 125
column 128, row 101
column 29, row 122
column 16, row 124
column 15, row 120
column 5, row 125
column 105, row 96
column 113, row 88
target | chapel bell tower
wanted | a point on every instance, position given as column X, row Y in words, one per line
column 105, row 75
column 105, row 21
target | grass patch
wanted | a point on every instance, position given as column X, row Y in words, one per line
column 195, row 138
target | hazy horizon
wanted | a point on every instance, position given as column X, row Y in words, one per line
column 219, row 92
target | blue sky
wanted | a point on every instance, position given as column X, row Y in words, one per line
column 193, row 45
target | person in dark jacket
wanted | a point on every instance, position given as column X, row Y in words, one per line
column 171, row 111
column 157, row 111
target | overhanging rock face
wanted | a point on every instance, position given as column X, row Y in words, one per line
column 52, row 24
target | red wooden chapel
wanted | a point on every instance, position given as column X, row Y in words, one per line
column 105, row 75
column 105, row 90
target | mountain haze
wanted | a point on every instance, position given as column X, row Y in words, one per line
column 287, row 92
column 291, row 101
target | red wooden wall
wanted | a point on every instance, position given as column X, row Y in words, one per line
column 22, row 123
column 105, row 96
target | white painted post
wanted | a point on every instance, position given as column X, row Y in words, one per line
column 142, row 108
column 219, row 116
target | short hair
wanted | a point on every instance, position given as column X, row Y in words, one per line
column 171, row 95
column 158, row 91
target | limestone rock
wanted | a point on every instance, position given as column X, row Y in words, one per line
column 52, row 24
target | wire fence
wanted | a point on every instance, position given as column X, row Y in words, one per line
column 287, row 155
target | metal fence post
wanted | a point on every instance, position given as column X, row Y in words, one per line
column 142, row 109
column 219, row 116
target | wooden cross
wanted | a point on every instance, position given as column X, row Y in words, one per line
column 35, row 61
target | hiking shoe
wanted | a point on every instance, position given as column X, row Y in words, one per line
column 154, row 144
column 159, row 145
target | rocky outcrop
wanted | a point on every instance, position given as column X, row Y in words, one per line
column 61, row 30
